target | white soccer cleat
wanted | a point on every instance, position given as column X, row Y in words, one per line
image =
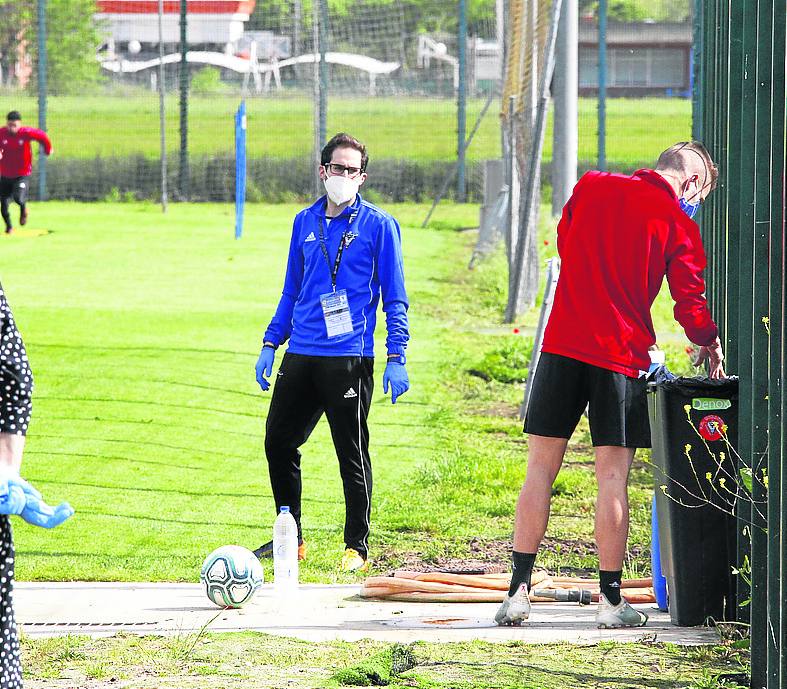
column 515, row 609
column 615, row 616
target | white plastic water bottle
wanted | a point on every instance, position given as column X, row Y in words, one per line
column 285, row 552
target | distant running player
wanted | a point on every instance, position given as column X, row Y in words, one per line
column 16, row 164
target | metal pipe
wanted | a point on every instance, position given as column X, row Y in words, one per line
column 320, row 90
column 531, row 192
column 461, row 104
column 161, row 109
column 42, row 95
column 183, row 171
column 602, row 84
column 565, row 98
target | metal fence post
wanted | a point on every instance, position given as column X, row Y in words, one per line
column 461, row 104
column 741, row 108
column 42, row 87
column 750, row 447
column 774, row 20
column 565, row 85
column 697, row 128
column 161, row 109
column 602, row 84
column 320, row 28
column 183, row 171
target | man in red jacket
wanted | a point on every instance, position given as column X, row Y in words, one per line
column 618, row 238
column 16, row 164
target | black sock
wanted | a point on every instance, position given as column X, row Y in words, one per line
column 610, row 585
column 522, row 571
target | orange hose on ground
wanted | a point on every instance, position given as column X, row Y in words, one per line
column 476, row 581
column 415, row 585
column 500, row 581
column 441, row 586
column 478, row 596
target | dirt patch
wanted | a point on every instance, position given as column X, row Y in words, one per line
column 494, row 556
column 484, row 556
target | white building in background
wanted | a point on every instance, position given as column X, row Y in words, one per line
column 210, row 22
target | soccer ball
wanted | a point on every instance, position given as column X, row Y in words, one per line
column 134, row 47
column 231, row 576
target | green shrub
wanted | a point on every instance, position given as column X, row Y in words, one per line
column 208, row 80
column 508, row 362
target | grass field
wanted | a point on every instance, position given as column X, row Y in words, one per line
column 420, row 128
column 143, row 331
column 240, row 661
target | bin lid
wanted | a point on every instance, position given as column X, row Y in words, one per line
column 699, row 386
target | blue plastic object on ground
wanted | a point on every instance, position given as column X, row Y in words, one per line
column 659, row 581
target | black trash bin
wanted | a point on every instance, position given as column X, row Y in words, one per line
column 692, row 420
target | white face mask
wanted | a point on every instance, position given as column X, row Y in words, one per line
column 341, row 189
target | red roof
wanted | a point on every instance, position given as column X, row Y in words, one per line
column 173, row 6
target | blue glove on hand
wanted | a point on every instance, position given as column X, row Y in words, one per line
column 17, row 496
column 12, row 498
column 38, row 513
column 395, row 375
column 264, row 367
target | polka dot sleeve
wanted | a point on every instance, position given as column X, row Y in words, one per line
column 16, row 378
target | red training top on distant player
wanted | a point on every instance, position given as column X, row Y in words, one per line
column 17, row 158
column 618, row 237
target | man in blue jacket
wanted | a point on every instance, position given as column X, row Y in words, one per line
column 344, row 255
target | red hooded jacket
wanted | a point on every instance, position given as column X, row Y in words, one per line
column 17, row 158
column 618, row 238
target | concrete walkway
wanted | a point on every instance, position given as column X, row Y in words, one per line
column 319, row 613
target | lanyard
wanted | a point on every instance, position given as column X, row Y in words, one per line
column 324, row 247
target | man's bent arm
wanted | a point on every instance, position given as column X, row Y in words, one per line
column 390, row 270
column 40, row 136
column 685, row 265
column 280, row 327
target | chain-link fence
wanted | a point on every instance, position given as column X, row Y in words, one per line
column 391, row 77
column 620, row 78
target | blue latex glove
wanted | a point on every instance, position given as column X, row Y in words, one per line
column 396, row 376
column 38, row 513
column 12, row 498
column 23, row 499
column 264, row 367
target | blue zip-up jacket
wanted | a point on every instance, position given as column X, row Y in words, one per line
column 371, row 267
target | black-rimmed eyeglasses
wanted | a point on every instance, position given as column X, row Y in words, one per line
column 338, row 169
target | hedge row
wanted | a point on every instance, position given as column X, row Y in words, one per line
column 273, row 180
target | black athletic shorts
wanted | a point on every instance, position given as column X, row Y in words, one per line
column 15, row 188
column 564, row 387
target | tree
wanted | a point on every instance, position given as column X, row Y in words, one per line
column 15, row 17
column 640, row 10
column 73, row 37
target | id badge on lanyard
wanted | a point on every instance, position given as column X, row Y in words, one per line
column 335, row 304
column 336, row 311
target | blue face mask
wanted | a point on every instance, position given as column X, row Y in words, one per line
column 689, row 209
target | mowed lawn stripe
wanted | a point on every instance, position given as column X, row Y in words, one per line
column 143, row 330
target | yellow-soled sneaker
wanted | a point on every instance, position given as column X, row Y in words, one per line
column 353, row 562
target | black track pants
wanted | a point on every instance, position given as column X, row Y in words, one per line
column 12, row 188
column 306, row 387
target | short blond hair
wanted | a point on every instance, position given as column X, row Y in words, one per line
column 678, row 158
